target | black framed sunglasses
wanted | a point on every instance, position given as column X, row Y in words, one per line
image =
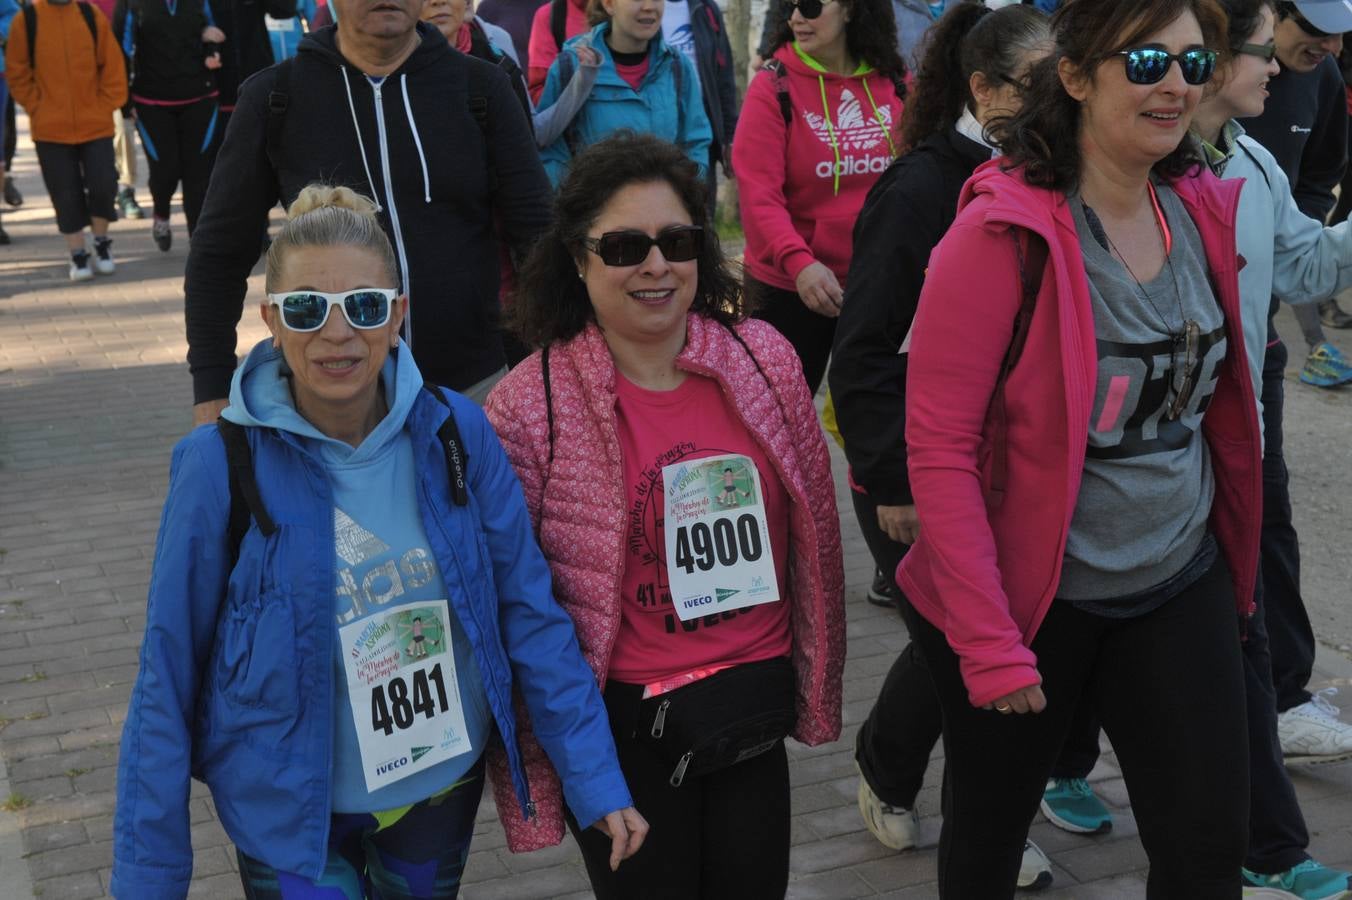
column 1149, row 65
column 364, row 308
column 680, row 243
column 1183, row 378
column 809, row 8
column 1265, row 52
column 1292, row 12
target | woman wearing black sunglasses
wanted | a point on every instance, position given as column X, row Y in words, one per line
column 1083, row 447
column 820, row 123
column 346, row 596
column 715, row 628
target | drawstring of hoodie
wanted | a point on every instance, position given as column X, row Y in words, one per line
column 417, row 141
column 361, row 145
column 835, row 144
column 878, row 117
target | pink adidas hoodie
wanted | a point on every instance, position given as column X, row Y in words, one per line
column 802, row 185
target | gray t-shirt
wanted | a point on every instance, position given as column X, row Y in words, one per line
column 1146, row 493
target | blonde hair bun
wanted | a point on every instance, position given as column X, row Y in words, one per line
column 329, row 215
column 329, row 196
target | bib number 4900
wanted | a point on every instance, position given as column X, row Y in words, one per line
column 699, row 546
column 392, row 707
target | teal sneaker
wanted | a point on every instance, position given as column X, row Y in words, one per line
column 1326, row 367
column 1070, row 804
column 1307, row 881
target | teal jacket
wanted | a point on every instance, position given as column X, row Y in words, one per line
column 667, row 104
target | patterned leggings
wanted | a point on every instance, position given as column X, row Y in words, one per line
column 420, row 856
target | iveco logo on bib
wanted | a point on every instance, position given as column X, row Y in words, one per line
column 383, row 768
column 853, row 165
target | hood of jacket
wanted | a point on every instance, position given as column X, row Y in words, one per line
column 260, row 396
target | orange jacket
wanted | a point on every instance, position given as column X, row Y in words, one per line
column 72, row 85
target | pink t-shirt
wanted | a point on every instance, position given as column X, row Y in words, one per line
column 656, row 429
column 633, row 75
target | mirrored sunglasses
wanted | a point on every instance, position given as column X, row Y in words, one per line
column 1149, row 65
column 364, row 308
column 680, row 243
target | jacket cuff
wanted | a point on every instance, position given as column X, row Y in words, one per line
column 137, row 882
column 888, row 494
column 796, row 261
column 211, row 383
column 986, row 683
column 594, row 801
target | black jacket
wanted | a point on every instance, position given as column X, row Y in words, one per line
column 905, row 214
column 438, row 207
column 248, row 47
column 717, row 76
column 166, row 59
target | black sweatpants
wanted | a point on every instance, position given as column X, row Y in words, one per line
column 720, row 836
column 81, row 179
column 180, row 144
column 1169, row 689
column 810, row 333
column 893, row 745
column 1288, row 624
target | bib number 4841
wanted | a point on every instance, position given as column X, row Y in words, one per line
column 700, row 546
column 392, row 706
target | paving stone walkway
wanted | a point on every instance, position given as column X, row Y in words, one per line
column 94, row 393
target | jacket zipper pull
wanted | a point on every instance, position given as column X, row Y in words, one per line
column 660, row 722
column 679, row 775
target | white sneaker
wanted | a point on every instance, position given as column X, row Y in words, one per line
column 79, row 267
column 1036, row 871
column 893, row 826
column 1312, row 732
column 103, row 257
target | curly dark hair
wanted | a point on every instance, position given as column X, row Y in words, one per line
column 969, row 38
column 870, row 35
column 1044, row 136
column 551, row 303
column 1245, row 16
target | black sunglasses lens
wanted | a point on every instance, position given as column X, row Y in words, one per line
column 1197, row 64
column 680, row 245
column 809, row 8
column 304, row 312
column 623, row 249
column 1146, row 65
column 367, row 309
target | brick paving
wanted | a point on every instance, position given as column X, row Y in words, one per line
column 93, row 394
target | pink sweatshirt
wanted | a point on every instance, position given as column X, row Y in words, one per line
column 541, row 53
column 986, row 567
column 802, row 186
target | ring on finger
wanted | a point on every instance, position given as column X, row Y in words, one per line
column 1003, row 709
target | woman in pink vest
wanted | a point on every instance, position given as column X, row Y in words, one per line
column 1084, row 455
column 715, row 629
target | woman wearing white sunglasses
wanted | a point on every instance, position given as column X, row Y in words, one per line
column 345, row 595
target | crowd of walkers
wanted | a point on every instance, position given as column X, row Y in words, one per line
column 546, row 500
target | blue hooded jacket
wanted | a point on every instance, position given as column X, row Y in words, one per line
column 236, row 684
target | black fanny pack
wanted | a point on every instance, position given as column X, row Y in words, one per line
column 713, row 723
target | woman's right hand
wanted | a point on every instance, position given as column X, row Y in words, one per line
column 1024, row 700
column 819, row 290
column 900, row 523
column 626, row 830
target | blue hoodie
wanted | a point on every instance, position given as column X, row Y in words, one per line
column 237, row 684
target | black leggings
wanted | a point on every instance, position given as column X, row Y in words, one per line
column 180, row 144
column 1169, row 689
column 81, row 180
column 810, row 333
column 721, row 835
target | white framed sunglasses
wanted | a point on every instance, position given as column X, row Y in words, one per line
column 365, row 308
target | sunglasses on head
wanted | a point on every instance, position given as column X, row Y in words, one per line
column 1292, row 12
column 810, row 9
column 680, row 243
column 308, row 310
column 1149, row 65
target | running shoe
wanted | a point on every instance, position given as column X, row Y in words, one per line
column 12, row 195
column 1312, row 732
column 163, row 234
column 1070, row 804
column 1036, row 871
column 126, row 202
column 1325, row 367
column 1307, row 881
column 883, row 591
column 893, row 826
column 103, row 256
column 79, row 266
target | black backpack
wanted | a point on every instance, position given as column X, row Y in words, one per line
column 246, row 503
column 30, row 27
column 558, row 21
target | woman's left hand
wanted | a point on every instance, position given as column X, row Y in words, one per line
column 626, row 830
column 819, row 290
column 1024, row 700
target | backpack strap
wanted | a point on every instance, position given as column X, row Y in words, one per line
column 558, row 21
column 245, row 501
column 87, row 13
column 776, row 70
column 549, row 399
column 1032, row 254
column 457, row 459
column 278, row 100
column 30, row 27
column 478, row 108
